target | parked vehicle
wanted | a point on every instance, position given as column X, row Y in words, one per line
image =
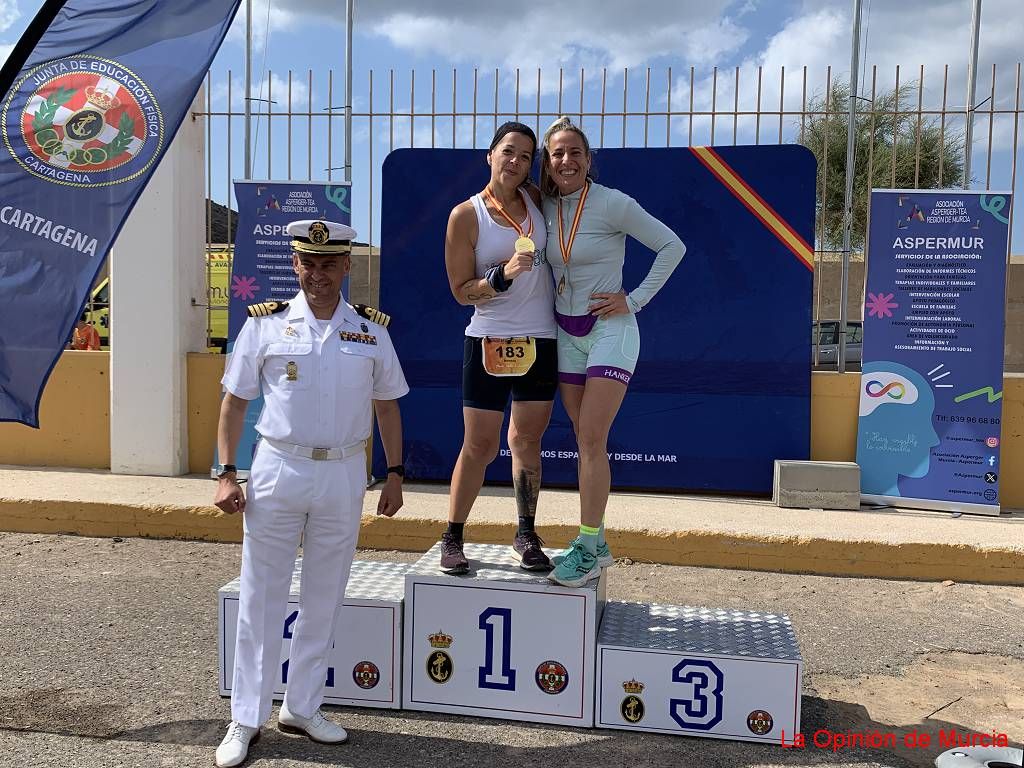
column 825, row 335
column 97, row 309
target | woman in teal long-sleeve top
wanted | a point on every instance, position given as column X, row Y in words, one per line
column 598, row 337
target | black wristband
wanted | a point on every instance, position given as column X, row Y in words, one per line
column 495, row 277
column 398, row 469
column 224, row 469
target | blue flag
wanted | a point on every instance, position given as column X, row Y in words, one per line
column 92, row 96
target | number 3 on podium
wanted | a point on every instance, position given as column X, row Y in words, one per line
column 703, row 710
column 498, row 642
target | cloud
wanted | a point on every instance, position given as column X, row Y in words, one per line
column 8, row 15
column 813, row 41
column 276, row 88
column 268, row 17
column 817, row 40
column 540, row 34
column 5, row 51
column 908, row 35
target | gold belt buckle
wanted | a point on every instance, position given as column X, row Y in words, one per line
column 320, row 454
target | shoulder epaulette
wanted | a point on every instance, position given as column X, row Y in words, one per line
column 372, row 314
column 266, row 308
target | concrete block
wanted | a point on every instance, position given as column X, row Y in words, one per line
column 812, row 484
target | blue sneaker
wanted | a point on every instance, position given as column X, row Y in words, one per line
column 576, row 568
column 604, row 555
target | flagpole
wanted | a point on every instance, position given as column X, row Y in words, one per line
column 349, row 14
column 248, row 89
column 851, row 135
column 972, row 85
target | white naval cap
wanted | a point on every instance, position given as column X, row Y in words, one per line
column 321, row 237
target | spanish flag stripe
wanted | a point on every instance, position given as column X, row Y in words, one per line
column 739, row 179
column 755, row 204
column 753, row 201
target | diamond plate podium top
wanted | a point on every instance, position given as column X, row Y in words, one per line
column 368, row 580
column 699, row 630
column 490, row 562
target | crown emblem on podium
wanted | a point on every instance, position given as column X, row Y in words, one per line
column 633, row 686
column 440, row 640
column 101, row 99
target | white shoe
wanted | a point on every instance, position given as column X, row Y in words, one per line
column 233, row 750
column 318, row 728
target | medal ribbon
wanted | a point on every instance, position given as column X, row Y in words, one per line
column 504, row 214
column 567, row 247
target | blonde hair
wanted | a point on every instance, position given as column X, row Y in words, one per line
column 547, row 186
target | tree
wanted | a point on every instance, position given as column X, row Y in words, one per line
column 890, row 137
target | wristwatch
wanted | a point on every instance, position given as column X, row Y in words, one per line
column 223, row 469
column 398, row 469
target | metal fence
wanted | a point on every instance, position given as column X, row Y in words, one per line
column 913, row 128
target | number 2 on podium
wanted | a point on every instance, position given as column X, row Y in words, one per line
column 505, row 680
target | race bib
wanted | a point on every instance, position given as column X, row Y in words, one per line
column 509, row 357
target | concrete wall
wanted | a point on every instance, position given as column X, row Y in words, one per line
column 1014, row 360
column 76, row 431
column 204, row 374
column 74, row 414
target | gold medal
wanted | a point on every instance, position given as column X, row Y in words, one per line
column 525, row 245
column 561, row 285
column 291, row 371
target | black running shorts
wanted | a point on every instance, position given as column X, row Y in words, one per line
column 490, row 393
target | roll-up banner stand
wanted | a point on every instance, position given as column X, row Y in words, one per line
column 931, row 389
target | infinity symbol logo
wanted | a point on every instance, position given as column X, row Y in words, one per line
column 894, row 389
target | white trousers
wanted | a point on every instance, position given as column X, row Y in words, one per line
column 289, row 497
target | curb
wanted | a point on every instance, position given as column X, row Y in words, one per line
column 781, row 554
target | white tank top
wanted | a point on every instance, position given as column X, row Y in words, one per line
column 527, row 307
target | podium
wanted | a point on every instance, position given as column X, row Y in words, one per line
column 500, row 642
column 506, row 643
column 365, row 665
column 724, row 674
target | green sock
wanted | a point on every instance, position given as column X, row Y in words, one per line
column 588, row 536
column 600, row 534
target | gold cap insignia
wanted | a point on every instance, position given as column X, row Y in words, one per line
column 319, row 233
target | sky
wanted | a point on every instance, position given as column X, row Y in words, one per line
column 393, row 38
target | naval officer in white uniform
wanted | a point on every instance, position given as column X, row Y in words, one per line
column 319, row 364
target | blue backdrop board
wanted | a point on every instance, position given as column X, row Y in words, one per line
column 261, row 269
column 722, row 387
column 931, row 391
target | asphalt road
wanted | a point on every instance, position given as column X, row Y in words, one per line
column 108, row 658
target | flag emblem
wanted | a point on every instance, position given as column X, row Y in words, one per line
column 366, row 675
column 83, row 121
column 552, row 677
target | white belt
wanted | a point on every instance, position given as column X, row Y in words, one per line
column 317, row 454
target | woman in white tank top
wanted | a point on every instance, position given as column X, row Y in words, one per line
column 494, row 255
